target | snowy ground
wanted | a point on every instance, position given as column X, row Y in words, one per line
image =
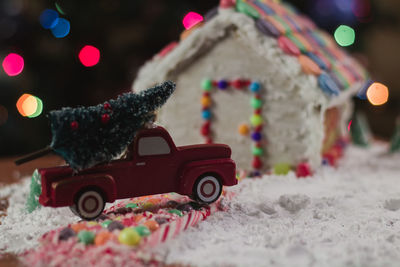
column 344, row 217
column 348, row 216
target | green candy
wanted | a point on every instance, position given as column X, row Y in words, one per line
column 245, row 8
column 86, row 237
column 105, row 223
column 256, row 120
column 142, row 230
column 256, row 103
column 177, row 212
column 281, row 168
column 131, row 205
column 206, row 85
column 257, row 151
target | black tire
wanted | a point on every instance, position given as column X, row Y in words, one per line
column 89, row 204
column 207, row 189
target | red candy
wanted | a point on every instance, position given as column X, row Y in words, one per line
column 205, row 130
column 227, row 3
column 303, row 170
column 288, row 46
column 256, row 163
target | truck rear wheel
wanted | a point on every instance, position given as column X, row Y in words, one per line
column 89, row 204
column 207, row 189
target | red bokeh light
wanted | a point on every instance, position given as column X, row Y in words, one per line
column 191, row 19
column 13, row 64
column 89, row 56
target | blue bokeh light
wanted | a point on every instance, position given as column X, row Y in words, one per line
column 49, row 18
column 61, row 29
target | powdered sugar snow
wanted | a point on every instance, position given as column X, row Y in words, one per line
column 341, row 217
column 348, row 216
column 20, row 230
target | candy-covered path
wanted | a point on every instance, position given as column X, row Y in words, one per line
column 348, row 216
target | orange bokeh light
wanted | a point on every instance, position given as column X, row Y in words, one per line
column 27, row 105
column 377, row 94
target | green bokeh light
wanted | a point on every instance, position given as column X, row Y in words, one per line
column 39, row 108
column 345, row 35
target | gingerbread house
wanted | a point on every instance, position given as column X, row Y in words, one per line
column 261, row 77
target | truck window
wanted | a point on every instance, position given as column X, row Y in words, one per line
column 154, row 145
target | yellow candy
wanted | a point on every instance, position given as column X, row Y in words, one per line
column 129, row 236
column 92, row 223
column 244, row 129
column 147, row 205
column 256, row 120
column 281, row 168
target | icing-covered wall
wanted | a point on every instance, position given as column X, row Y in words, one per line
column 292, row 109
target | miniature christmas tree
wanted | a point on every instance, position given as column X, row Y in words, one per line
column 86, row 136
column 32, row 202
column 360, row 131
column 395, row 141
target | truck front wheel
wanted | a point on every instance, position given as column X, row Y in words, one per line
column 207, row 189
column 89, row 204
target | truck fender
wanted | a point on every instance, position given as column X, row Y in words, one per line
column 65, row 191
column 224, row 169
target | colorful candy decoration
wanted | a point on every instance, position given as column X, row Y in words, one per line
column 281, row 168
column 303, row 170
column 155, row 226
column 129, row 236
column 226, row 3
column 102, row 238
column 142, row 230
column 86, row 237
column 256, row 121
column 297, row 35
column 244, row 129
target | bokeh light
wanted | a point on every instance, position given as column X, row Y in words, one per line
column 3, row 115
column 345, row 35
column 61, row 29
column 191, row 19
column 29, row 106
column 349, row 125
column 378, row 94
column 13, row 64
column 49, row 18
column 89, row 56
column 59, row 9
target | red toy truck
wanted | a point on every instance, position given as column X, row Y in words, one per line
column 152, row 165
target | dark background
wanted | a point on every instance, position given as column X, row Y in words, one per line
column 129, row 32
